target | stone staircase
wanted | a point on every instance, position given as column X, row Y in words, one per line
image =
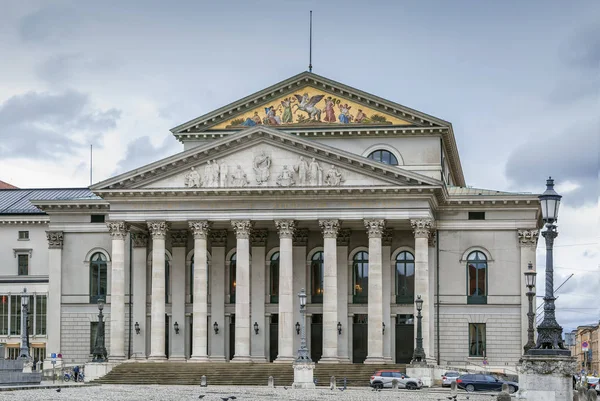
column 242, row 374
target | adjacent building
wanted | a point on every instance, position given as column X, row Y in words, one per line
column 307, row 184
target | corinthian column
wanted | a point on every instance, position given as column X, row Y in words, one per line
column 118, row 231
column 286, row 230
column 422, row 230
column 200, row 229
column 55, row 246
column 528, row 240
column 158, row 230
column 375, row 307
column 330, row 230
column 242, row 230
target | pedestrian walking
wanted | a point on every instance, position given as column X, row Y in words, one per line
column 76, row 373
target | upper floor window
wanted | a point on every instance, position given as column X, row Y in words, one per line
column 274, row 278
column 405, row 278
column 476, row 215
column 477, row 278
column 316, row 278
column 98, row 278
column 384, row 156
column 23, row 264
column 97, row 218
column 41, row 303
column 232, row 270
column 23, row 235
column 360, row 282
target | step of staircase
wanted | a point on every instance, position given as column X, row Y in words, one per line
column 244, row 374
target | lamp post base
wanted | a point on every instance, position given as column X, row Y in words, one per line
column 303, row 375
column 546, row 377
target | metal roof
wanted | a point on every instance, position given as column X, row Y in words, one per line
column 18, row 201
column 458, row 191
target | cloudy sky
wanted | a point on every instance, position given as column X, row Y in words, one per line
column 519, row 81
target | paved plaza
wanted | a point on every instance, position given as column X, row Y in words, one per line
column 218, row 393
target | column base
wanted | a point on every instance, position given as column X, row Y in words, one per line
column 284, row 359
column 157, row 358
column 200, row 358
column 259, row 359
column 329, row 359
column 116, row 358
column 217, row 358
column 178, row 358
column 241, row 359
column 374, row 360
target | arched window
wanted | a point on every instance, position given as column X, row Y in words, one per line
column 405, row 278
column 192, row 277
column 316, row 278
column 477, row 278
column 384, row 156
column 98, row 278
column 360, row 282
column 274, row 278
column 232, row 266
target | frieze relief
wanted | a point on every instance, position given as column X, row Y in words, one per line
column 564, row 367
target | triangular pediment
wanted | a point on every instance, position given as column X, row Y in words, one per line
column 262, row 157
column 309, row 100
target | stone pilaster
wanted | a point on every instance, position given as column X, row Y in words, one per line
column 330, row 230
column 55, row 246
column 139, row 255
column 343, row 283
column 158, row 231
column 528, row 240
column 218, row 241
column 286, row 230
column 242, row 229
column 375, row 229
column 118, row 231
column 422, row 231
column 258, row 242
column 389, row 281
column 200, row 230
column 177, row 340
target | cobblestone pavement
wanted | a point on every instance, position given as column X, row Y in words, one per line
column 218, row 393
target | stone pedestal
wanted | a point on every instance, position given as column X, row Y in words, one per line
column 95, row 370
column 546, row 377
column 422, row 371
column 303, row 375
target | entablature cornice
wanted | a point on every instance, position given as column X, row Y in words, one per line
column 74, row 206
column 485, row 225
column 23, row 220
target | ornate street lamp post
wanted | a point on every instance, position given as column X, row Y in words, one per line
column 24, row 351
column 419, row 353
column 549, row 340
column 303, row 350
column 99, row 348
column 530, row 284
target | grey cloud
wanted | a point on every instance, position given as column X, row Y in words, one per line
column 141, row 151
column 49, row 25
column 583, row 50
column 576, row 303
column 45, row 125
column 569, row 156
column 64, row 66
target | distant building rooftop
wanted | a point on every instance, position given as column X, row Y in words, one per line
column 6, row 185
column 457, row 191
column 17, row 201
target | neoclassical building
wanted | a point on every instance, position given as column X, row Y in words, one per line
column 306, row 184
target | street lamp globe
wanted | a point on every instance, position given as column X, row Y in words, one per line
column 302, row 296
column 419, row 303
column 101, row 304
column 530, row 275
column 550, row 202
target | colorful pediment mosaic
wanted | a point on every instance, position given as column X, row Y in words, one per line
column 310, row 106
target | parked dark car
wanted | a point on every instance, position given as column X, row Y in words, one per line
column 479, row 382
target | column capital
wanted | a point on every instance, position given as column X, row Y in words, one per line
column 242, row 228
column 300, row 237
column 330, row 228
column 343, row 238
column 528, row 237
column 55, row 239
column 158, row 229
column 218, row 237
column 387, row 236
column 117, row 229
column 285, row 228
column 421, row 227
column 179, row 238
column 200, row 229
column 432, row 239
column 375, row 227
column 259, row 237
column 140, row 240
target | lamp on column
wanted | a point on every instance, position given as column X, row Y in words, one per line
column 216, row 327
column 303, row 350
column 339, row 327
column 549, row 340
column 382, row 327
column 176, row 327
column 530, row 283
column 24, row 351
column 256, row 328
column 137, row 328
column 298, row 328
column 419, row 353
column 99, row 348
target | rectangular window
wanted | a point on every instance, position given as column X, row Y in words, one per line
column 23, row 265
column 40, row 315
column 477, row 340
column 23, row 235
column 97, row 218
column 3, row 315
column 15, row 315
column 93, row 330
column 476, row 215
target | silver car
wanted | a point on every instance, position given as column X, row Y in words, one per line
column 384, row 378
column 448, row 378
